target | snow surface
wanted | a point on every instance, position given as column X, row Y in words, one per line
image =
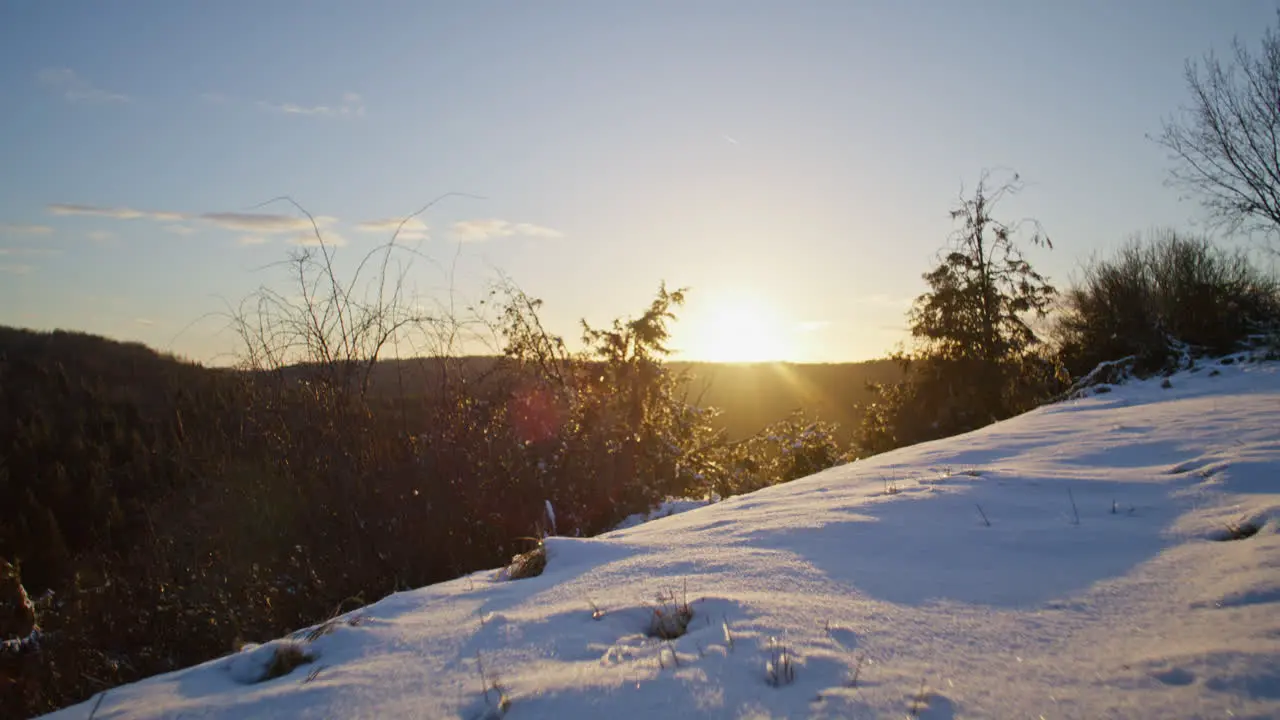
column 667, row 508
column 1097, row 591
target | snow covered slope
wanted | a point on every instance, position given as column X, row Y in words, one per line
column 1098, row 589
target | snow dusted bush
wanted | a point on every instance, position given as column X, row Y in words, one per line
column 1162, row 301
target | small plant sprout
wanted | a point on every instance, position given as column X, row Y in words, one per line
column 779, row 670
column 919, row 701
column 728, row 636
column 1113, row 507
column 890, row 486
column 1075, row 511
column 668, row 649
column 985, row 521
column 495, row 697
column 596, row 612
column 857, row 671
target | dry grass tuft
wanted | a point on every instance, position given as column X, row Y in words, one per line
column 1238, row 531
column 779, row 670
column 671, row 616
column 288, row 656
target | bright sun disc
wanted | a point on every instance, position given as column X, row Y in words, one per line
column 738, row 329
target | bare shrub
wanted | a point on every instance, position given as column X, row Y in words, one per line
column 1158, row 294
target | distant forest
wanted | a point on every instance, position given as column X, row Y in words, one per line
column 750, row 396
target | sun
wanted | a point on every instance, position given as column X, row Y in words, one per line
column 737, row 327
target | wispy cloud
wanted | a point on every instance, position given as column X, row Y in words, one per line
column 145, row 322
column 413, row 228
column 28, row 252
column 259, row 227
column 101, row 237
column 119, row 213
column 262, row 222
column 475, row 230
column 15, row 269
column 352, row 105
column 25, row 229
column 72, row 87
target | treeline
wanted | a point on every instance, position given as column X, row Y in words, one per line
column 748, row 396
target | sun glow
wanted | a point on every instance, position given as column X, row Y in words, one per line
column 737, row 328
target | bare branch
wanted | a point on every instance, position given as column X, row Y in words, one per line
column 1226, row 146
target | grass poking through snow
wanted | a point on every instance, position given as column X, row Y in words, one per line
column 496, row 699
column 779, row 670
column 671, row 616
column 287, row 657
column 1238, row 531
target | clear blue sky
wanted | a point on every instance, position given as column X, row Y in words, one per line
column 795, row 158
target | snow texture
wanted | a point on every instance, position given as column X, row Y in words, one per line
column 1099, row 589
column 669, row 507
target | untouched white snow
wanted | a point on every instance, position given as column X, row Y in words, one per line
column 669, row 507
column 1136, row 613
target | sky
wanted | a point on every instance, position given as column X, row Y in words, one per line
column 792, row 164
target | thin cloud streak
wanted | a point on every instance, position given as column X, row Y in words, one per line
column 263, row 222
column 352, row 105
column 25, row 230
column 477, row 230
column 73, row 88
column 118, row 213
column 412, row 229
column 257, row 227
column 29, row 252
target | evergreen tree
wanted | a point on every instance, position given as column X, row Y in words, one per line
column 974, row 360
